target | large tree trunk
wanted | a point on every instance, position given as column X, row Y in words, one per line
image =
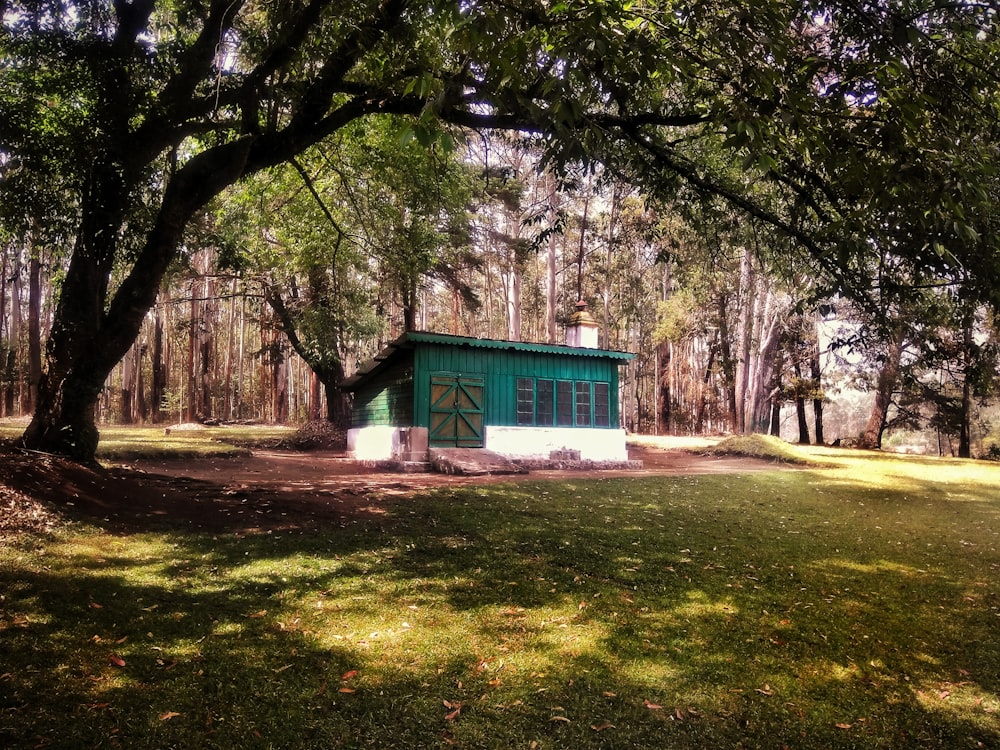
column 81, row 350
column 89, row 335
column 884, row 387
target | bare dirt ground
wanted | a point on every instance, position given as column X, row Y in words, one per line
column 267, row 491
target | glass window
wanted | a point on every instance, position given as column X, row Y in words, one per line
column 525, row 401
column 583, row 404
column 602, row 405
column 545, row 403
column 564, row 403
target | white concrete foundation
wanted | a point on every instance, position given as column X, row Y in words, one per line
column 386, row 443
column 539, row 442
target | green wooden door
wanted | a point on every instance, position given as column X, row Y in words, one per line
column 456, row 410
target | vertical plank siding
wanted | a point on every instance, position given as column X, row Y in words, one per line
column 500, row 369
column 385, row 400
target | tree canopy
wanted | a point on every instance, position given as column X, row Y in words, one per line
column 866, row 132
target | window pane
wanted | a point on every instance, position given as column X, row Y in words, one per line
column 525, row 401
column 583, row 404
column 602, row 405
column 564, row 403
column 545, row 403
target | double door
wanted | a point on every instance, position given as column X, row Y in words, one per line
column 456, row 410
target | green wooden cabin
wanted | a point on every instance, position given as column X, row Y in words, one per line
column 520, row 400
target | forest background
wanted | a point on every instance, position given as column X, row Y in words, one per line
column 812, row 255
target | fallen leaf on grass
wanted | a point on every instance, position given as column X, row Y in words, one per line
column 116, row 660
column 651, row 706
column 766, row 690
column 843, row 726
column 560, row 718
column 346, row 690
column 257, row 615
column 168, row 715
column 348, row 675
column 602, row 727
column 455, row 708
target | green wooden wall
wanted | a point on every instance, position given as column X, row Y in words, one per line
column 387, row 399
column 501, row 368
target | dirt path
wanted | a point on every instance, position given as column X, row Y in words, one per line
column 269, row 490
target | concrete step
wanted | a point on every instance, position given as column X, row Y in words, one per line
column 472, row 462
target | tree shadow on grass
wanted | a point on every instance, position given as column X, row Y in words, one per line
column 661, row 613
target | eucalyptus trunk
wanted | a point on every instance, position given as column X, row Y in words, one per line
column 968, row 363
column 885, row 385
column 34, row 330
column 800, row 407
column 329, row 372
column 816, row 371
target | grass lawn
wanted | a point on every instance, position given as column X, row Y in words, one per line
column 855, row 606
column 123, row 443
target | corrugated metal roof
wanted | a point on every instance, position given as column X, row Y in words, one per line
column 406, row 341
column 517, row 346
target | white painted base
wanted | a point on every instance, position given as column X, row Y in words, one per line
column 539, row 442
column 385, row 443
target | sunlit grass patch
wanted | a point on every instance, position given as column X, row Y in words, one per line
column 123, row 443
column 127, row 443
column 761, row 446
